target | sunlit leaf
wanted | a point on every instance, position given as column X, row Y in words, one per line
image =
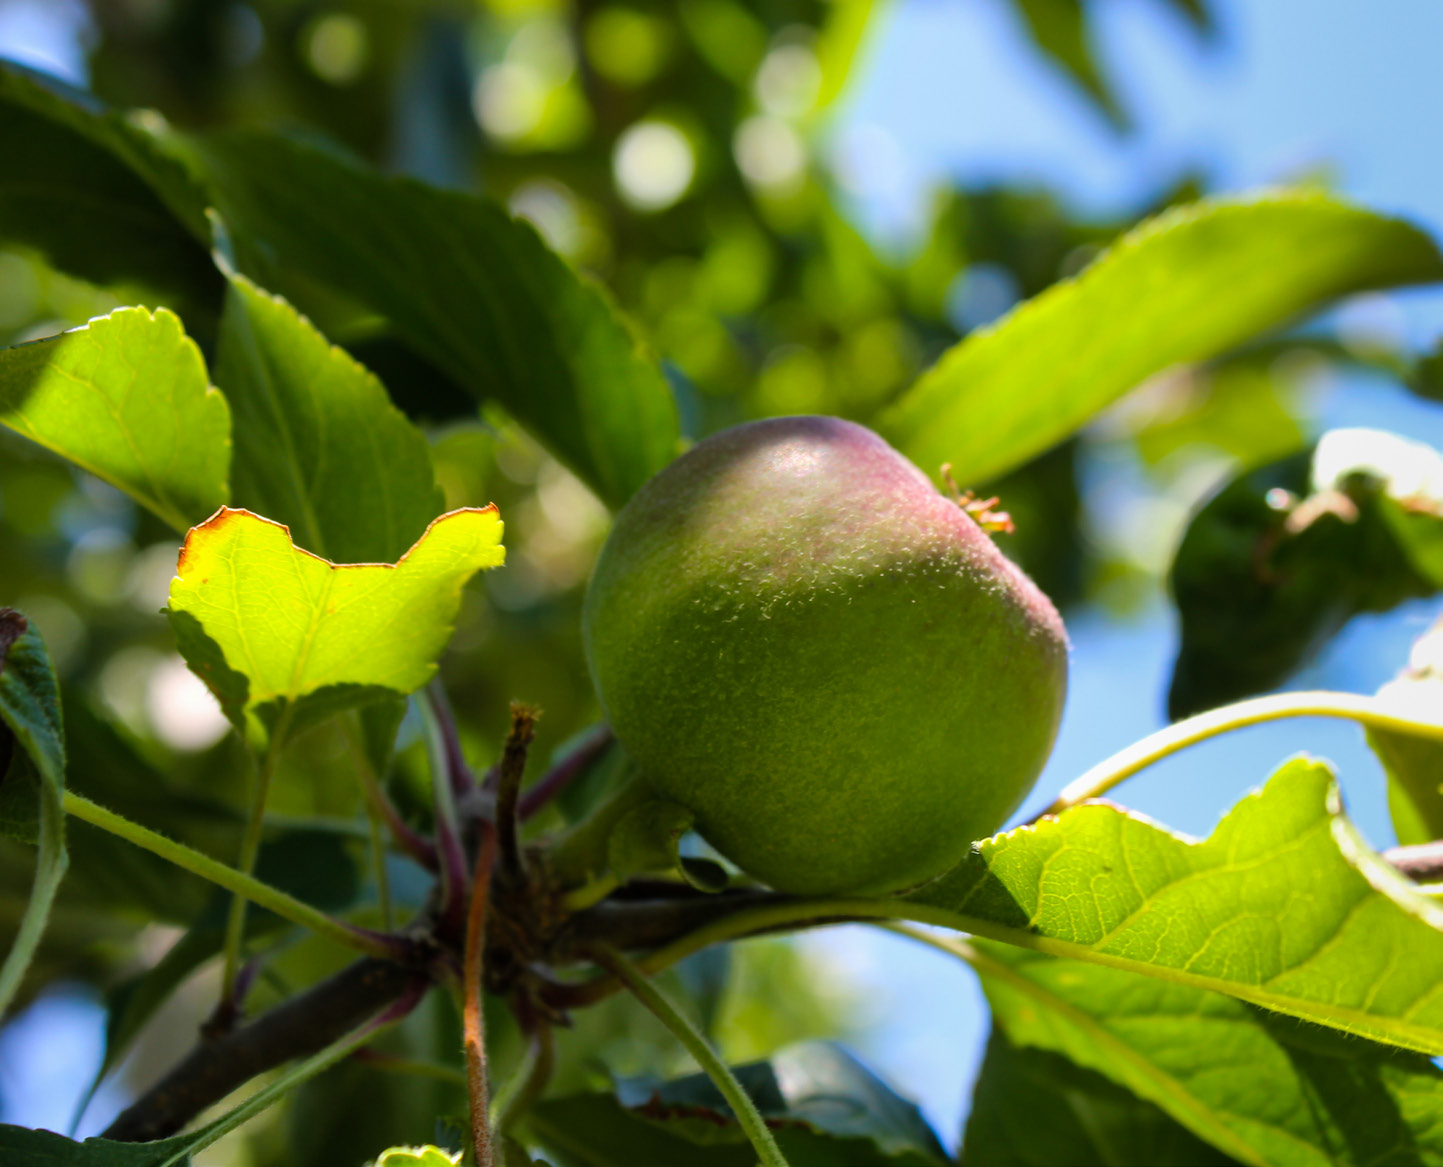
column 30, row 724
column 1415, row 765
column 1263, row 1088
column 417, row 1157
column 825, row 1108
column 1090, row 1121
column 95, row 191
column 277, row 631
column 318, row 444
column 470, row 288
column 1283, row 556
column 1282, row 906
column 848, row 27
column 1186, row 286
column 126, row 397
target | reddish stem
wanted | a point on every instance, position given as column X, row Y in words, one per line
column 560, row 776
column 410, row 840
column 463, row 781
column 472, row 1017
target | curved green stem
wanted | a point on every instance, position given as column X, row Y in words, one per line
column 250, row 848
column 580, row 898
column 374, row 818
column 283, row 905
column 717, row 1070
column 529, row 1082
column 415, row 1067
column 1368, row 711
column 450, row 854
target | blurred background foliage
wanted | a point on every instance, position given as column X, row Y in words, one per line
column 680, row 153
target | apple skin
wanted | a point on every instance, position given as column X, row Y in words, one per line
column 797, row 637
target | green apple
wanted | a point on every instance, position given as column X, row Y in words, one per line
column 799, row 639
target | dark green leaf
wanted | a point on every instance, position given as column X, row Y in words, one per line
column 824, row 1107
column 1263, row 1088
column 467, row 286
column 20, row 1147
column 126, row 397
column 30, row 712
column 1036, row 1109
column 96, row 192
column 19, row 793
column 1283, row 906
column 1059, row 29
column 1283, row 556
column 1426, row 377
column 380, row 722
column 318, row 444
column 1187, row 286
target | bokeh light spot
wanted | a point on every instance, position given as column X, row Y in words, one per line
column 653, row 165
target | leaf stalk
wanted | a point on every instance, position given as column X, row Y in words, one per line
column 1369, row 711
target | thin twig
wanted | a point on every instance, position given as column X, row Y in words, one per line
column 473, row 1018
column 508, row 789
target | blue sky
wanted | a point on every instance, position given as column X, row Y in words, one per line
column 950, row 91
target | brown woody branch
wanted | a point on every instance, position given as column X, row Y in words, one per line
column 302, row 1026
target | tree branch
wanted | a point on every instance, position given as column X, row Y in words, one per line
column 302, row 1026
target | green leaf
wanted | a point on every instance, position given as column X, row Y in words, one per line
column 20, row 1147
column 1284, row 555
column 470, row 288
column 126, row 398
column 648, row 838
column 417, row 1157
column 1415, row 765
column 1089, row 1121
column 279, row 632
column 19, row 793
column 97, row 193
column 1186, row 286
column 825, row 1108
column 1283, row 906
column 30, row 719
column 318, row 444
column 1059, row 29
column 1263, row 1088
